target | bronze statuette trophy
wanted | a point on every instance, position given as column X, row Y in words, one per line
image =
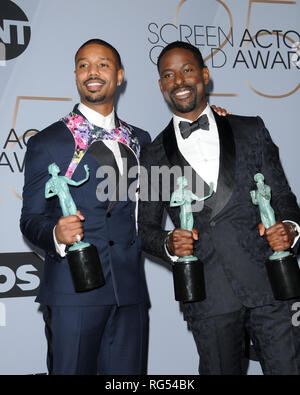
column 188, row 274
column 82, row 257
column 282, row 266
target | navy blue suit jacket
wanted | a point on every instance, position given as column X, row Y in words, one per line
column 110, row 226
column 229, row 244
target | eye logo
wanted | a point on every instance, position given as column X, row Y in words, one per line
column 15, row 30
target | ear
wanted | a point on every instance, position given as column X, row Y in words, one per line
column 206, row 76
column 120, row 76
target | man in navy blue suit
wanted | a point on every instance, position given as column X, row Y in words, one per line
column 228, row 152
column 105, row 330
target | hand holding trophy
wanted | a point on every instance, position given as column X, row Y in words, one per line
column 282, row 266
column 82, row 257
column 188, row 274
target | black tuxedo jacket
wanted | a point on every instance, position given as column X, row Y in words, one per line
column 229, row 244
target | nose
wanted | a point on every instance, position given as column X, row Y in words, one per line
column 178, row 79
column 93, row 70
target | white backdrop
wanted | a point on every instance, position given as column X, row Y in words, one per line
column 254, row 72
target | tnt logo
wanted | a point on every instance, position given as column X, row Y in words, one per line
column 14, row 31
column 296, row 55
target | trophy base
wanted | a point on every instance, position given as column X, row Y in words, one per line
column 284, row 276
column 86, row 270
column 188, row 277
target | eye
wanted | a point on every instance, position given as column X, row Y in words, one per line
column 83, row 65
column 188, row 70
column 168, row 75
column 103, row 65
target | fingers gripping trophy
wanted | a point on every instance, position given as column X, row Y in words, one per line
column 282, row 266
column 82, row 257
column 188, row 274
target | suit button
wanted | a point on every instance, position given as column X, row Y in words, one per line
column 111, row 243
column 108, row 215
column 212, row 224
column 133, row 241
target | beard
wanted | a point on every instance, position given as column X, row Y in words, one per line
column 91, row 98
column 181, row 106
column 95, row 99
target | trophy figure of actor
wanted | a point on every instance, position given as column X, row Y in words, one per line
column 82, row 257
column 282, row 266
column 187, row 271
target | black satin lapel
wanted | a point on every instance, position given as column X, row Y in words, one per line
column 171, row 148
column 105, row 157
column 128, row 157
column 226, row 165
column 129, row 161
column 175, row 158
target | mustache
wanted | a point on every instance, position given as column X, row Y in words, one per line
column 95, row 79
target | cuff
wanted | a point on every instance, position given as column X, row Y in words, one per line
column 172, row 257
column 60, row 248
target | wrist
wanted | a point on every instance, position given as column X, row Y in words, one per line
column 291, row 229
column 168, row 244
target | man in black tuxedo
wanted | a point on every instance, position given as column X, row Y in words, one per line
column 227, row 151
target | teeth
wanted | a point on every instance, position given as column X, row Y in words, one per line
column 94, row 84
column 182, row 93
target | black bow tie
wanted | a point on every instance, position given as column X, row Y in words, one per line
column 187, row 128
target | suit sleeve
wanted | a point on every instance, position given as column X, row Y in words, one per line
column 36, row 222
column 283, row 200
column 151, row 211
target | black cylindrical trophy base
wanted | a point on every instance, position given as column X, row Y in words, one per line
column 284, row 276
column 188, row 280
column 85, row 269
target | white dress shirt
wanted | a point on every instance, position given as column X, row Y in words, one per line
column 201, row 149
column 105, row 122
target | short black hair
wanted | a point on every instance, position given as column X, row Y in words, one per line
column 105, row 44
column 184, row 45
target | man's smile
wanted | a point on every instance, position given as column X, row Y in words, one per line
column 94, row 85
column 182, row 93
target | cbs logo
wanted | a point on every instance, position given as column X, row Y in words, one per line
column 20, row 274
column 296, row 316
column 24, row 278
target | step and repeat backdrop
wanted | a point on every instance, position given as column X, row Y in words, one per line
column 252, row 49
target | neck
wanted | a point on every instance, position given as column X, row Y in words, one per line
column 103, row 109
column 193, row 115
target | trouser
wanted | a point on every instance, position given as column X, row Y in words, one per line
column 220, row 340
column 97, row 339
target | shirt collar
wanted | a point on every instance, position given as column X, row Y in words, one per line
column 98, row 119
